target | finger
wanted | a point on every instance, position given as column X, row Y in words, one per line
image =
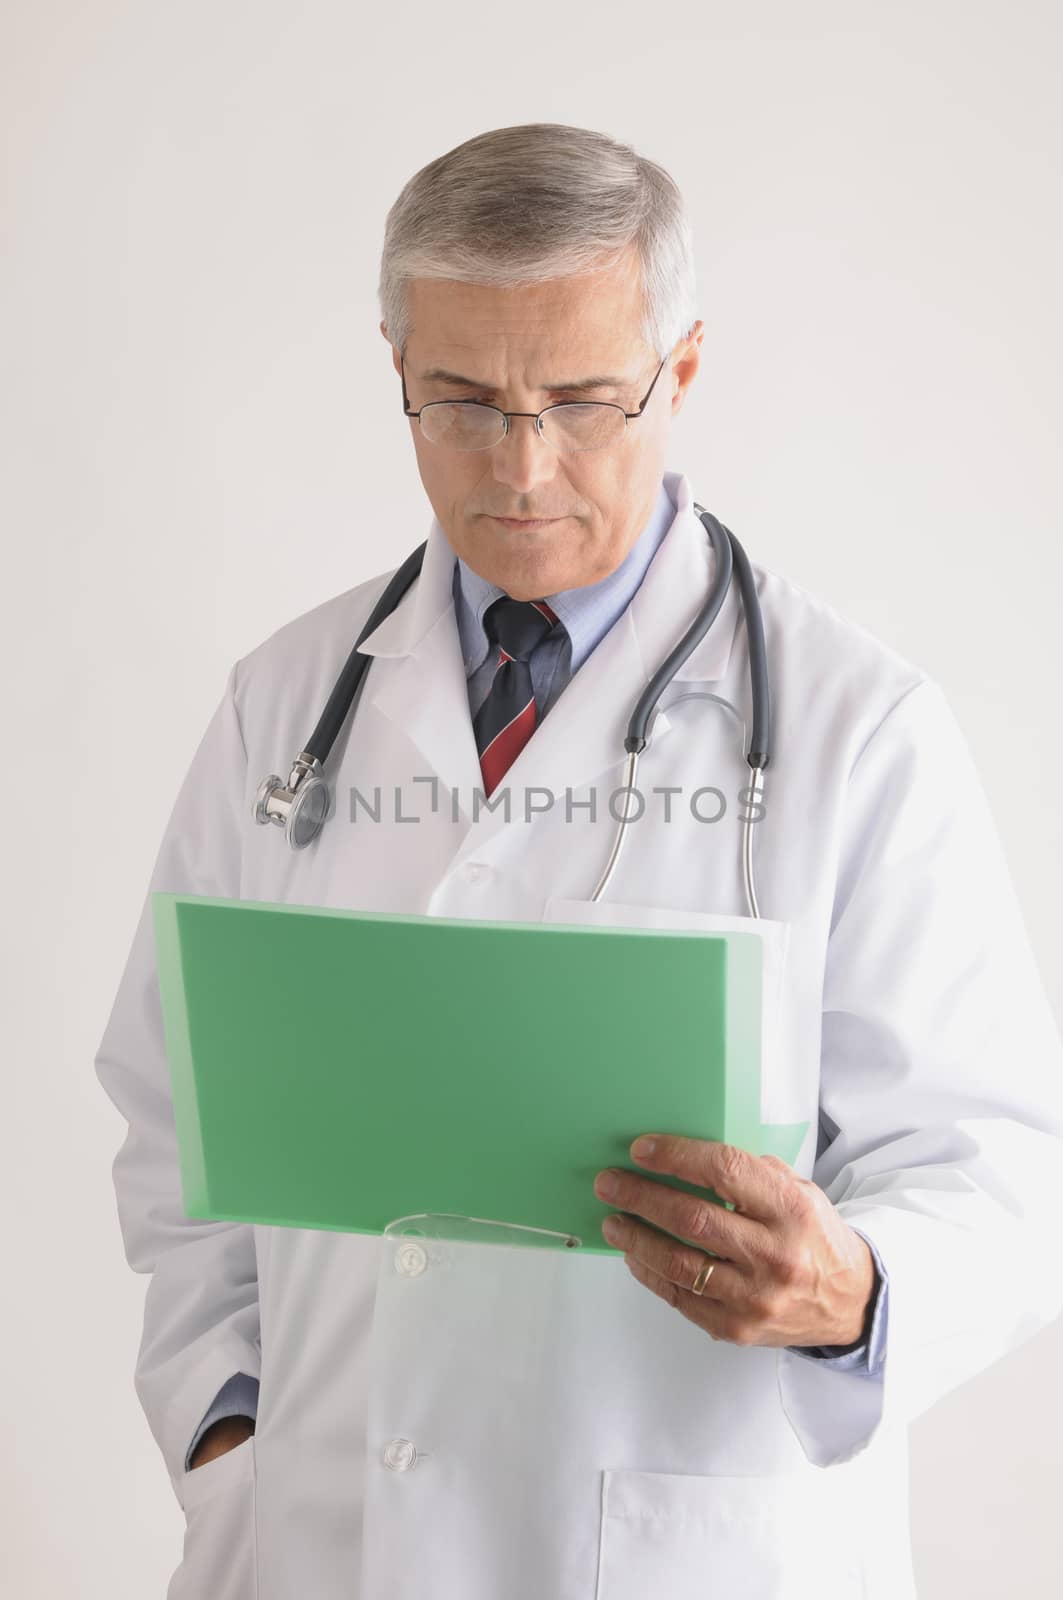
column 751, row 1183
column 695, row 1218
column 710, row 1315
column 680, row 1264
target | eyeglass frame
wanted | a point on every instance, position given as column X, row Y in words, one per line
column 538, row 415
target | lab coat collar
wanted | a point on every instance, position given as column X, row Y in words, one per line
column 424, row 688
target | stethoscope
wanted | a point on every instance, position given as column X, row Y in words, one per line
column 301, row 805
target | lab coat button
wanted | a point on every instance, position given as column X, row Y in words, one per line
column 477, row 871
column 410, row 1260
column 399, row 1455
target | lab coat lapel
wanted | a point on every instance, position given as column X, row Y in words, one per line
column 419, row 683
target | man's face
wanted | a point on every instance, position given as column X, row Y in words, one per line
column 518, row 345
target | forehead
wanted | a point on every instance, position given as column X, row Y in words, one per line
column 487, row 330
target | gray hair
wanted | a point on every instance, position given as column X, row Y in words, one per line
column 535, row 202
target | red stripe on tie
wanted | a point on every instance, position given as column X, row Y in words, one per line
column 506, row 746
column 541, row 605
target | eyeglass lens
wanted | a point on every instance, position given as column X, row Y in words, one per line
column 572, row 426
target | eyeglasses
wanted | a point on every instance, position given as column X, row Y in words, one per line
column 571, row 425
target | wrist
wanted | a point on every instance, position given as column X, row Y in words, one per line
column 221, row 1436
column 858, row 1329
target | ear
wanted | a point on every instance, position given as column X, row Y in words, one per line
column 396, row 359
column 686, row 359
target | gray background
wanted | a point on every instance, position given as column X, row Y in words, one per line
column 202, row 437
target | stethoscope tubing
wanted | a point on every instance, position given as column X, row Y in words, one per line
column 355, row 667
column 730, row 558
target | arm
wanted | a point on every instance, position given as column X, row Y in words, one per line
column 942, row 1075
column 201, row 1318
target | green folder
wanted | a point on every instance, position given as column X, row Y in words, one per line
column 343, row 1069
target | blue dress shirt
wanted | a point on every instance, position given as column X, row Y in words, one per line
column 587, row 613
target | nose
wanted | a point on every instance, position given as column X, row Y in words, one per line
column 522, row 459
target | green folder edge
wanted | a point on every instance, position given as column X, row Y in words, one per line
column 743, row 954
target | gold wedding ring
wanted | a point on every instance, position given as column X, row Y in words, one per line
column 698, row 1286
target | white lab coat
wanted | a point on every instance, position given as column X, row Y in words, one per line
column 567, row 1435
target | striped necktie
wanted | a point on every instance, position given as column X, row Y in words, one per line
column 506, row 720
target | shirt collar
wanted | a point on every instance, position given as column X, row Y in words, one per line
column 587, row 612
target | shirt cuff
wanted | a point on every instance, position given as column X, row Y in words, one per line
column 238, row 1397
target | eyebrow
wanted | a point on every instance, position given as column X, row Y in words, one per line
column 578, row 385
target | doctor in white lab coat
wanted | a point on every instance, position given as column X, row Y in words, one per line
column 460, row 1421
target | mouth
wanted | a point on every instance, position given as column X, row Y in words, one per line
column 527, row 522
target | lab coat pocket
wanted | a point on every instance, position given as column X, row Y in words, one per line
column 713, row 1538
column 220, row 1558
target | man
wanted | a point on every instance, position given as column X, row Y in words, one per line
column 721, row 1406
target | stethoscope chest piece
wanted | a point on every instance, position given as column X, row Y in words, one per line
column 299, row 806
